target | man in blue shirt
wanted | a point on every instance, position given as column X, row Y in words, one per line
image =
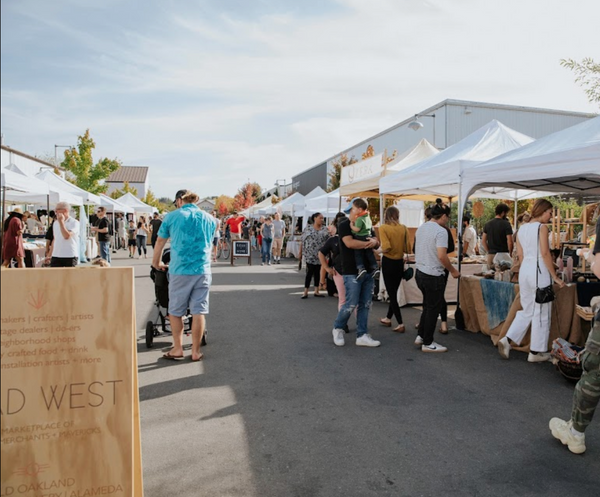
column 191, row 231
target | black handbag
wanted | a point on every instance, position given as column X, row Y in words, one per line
column 409, row 272
column 546, row 294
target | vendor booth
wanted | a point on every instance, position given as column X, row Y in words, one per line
column 136, row 204
column 361, row 179
column 563, row 162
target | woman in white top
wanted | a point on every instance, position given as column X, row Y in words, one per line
column 537, row 271
column 142, row 236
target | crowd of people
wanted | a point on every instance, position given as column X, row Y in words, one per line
column 351, row 254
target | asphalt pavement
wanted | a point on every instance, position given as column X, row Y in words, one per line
column 275, row 409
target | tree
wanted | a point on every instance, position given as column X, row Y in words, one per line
column 150, row 199
column 224, row 205
column 247, row 195
column 587, row 75
column 370, row 152
column 126, row 189
column 335, row 175
column 79, row 162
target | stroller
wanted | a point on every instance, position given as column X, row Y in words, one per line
column 161, row 291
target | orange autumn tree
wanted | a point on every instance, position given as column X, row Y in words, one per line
column 247, row 196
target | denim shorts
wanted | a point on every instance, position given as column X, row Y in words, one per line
column 188, row 291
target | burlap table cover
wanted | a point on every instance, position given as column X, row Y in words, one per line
column 564, row 320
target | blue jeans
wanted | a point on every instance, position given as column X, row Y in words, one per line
column 359, row 295
column 105, row 250
column 266, row 249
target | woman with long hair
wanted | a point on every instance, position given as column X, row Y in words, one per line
column 394, row 244
column 313, row 238
column 331, row 261
column 537, row 271
column 141, row 237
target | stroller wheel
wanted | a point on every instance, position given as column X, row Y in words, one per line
column 203, row 343
column 149, row 334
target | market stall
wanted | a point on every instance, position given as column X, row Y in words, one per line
column 490, row 306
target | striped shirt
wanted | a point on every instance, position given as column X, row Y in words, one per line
column 430, row 237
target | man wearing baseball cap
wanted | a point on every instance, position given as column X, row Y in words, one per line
column 191, row 231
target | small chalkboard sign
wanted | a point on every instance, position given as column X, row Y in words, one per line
column 241, row 248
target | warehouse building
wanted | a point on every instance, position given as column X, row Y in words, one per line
column 444, row 125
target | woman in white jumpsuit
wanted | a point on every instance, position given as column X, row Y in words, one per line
column 534, row 252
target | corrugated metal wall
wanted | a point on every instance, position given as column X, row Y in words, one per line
column 463, row 120
column 453, row 121
column 307, row 181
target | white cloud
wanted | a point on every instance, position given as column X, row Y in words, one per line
column 216, row 99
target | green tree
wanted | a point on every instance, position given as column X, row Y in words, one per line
column 126, row 189
column 587, row 75
column 151, row 199
column 85, row 174
column 335, row 175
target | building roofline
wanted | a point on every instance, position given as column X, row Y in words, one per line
column 30, row 157
column 456, row 103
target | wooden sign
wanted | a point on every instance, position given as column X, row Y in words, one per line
column 70, row 410
column 241, row 248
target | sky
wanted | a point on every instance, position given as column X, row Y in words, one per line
column 212, row 93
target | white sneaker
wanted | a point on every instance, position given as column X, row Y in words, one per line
column 262, row 263
column 563, row 431
column 539, row 357
column 366, row 341
column 269, row 263
column 433, row 347
column 419, row 340
column 504, row 348
column 338, row 337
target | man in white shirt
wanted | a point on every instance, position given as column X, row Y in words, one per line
column 64, row 251
column 469, row 237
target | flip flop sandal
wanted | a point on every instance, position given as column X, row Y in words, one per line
column 170, row 357
column 304, row 297
column 199, row 358
column 319, row 295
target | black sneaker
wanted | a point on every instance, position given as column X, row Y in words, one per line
column 361, row 274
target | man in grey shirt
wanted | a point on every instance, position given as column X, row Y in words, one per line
column 431, row 257
column 278, row 234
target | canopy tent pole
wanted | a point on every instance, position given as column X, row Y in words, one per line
column 3, row 215
column 459, row 319
column 516, row 213
column 381, row 206
column 47, row 211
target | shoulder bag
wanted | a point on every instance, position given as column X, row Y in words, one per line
column 546, row 294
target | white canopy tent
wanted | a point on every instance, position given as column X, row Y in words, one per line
column 328, row 204
column 113, row 205
column 361, row 179
column 567, row 161
column 291, row 204
column 254, row 210
column 317, row 192
column 136, row 204
column 439, row 176
column 24, row 189
column 55, row 181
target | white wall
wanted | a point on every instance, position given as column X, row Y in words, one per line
column 142, row 188
column 26, row 165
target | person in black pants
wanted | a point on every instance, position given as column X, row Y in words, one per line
column 431, row 258
column 314, row 237
column 394, row 244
